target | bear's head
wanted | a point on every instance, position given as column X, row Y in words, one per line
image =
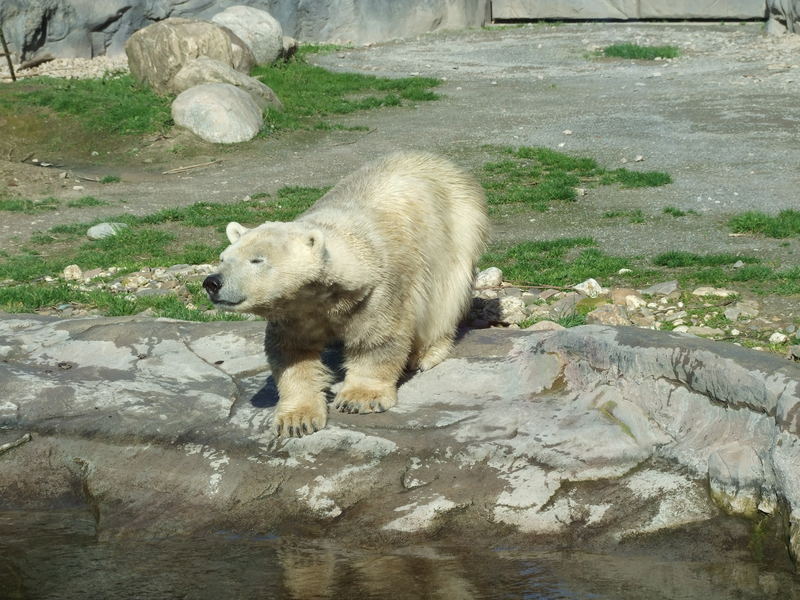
column 265, row 266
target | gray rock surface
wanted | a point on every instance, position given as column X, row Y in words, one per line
column 585, row 433
column 207, row 70
column 257, row 28
column 783, row 14
column 66, row 28
column 220, row 113
column 158, row 52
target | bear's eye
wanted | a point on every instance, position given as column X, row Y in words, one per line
column 256, row 261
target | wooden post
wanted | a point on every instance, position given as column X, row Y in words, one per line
column 7, row 52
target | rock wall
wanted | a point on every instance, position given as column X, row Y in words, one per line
column 86, row 28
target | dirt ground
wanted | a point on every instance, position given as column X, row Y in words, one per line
column 723, row 120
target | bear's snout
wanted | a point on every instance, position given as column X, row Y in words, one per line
column 213, row 284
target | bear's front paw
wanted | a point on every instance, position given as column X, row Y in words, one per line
column 300, row 419
column 365, row 400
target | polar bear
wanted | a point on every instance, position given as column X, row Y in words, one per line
column 383, row 263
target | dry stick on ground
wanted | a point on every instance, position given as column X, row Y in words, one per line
column 35, row 62
column 527, row 287
column 189, row 167
column 7, row 52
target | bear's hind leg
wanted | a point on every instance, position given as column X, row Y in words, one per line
column 427, row 358
column 371, row 381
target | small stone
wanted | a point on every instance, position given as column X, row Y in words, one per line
column 794, row 352
column 735, row 332
column 491, row 277
column 565, row 306
column 638, row 158
column 567, row 132
column 590, row 288
column 618, row 295
column 647, row 321
column 704, row 331
column 634, row 302
column 104, row 230
column 529, row 298
column 608, row 314
column 681, row 329
column 778, row 338
column 545, row 326
column 660, row 289
column 624, row 271
column 745, row 308
column 675, row 316
column 705, row 291
column 92, row 273
column 678, row 322
column 72, row 273
column 512, row 309
column 512, row 291
column 78, row 188
column 548, row 293
column 738, row 264
column 581, row 191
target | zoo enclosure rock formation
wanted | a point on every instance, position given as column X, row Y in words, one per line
column 84, row 29
column 165, row 426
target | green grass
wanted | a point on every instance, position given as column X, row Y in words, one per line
column 548, row 263
column 28, row 297
column 785, row 224
column 538, row 177
column 635, row 216
column 677, row 258
column 310, row 93
column 86, row 201
column 25, row 205
column 143, row 244
column 114, row 104
column 677, row 212
column 635, row 51
column 110, row 179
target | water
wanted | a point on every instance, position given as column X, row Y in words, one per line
column 55, row 555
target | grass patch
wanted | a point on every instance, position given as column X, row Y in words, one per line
column 635, row 216
column 310, row 93
column 24, row 205
column 560, row 262
column 637, row 52
column 538, row 177
column 86, row 201
column 110, row 179
column 114, row 104
column 30, row 297
column 677, row 212
column 785, row 224
column 677, row 258
column 144, row 243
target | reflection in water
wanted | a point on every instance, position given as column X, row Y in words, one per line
column 55, row 555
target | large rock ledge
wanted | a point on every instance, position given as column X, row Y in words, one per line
column 165, row 426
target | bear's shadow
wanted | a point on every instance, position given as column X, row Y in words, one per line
column 333, row 358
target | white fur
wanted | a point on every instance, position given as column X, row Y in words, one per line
column 384, row 262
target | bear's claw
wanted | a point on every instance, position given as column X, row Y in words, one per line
column 300, row 421
column 362, row 401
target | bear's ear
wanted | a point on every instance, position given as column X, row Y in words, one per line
column 234, row 231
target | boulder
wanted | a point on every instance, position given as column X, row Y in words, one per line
column 582, row 435
column 220, row 113
column 104, row 230
column 257, row 28
column 156, row 53
column 207, row 70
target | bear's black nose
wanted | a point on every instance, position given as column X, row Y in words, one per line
column 213, row 283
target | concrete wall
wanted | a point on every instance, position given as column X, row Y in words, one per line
column 628, row 9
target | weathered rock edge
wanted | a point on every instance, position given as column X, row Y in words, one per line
column 164, row 426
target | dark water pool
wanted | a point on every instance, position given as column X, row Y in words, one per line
column 55, row 555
